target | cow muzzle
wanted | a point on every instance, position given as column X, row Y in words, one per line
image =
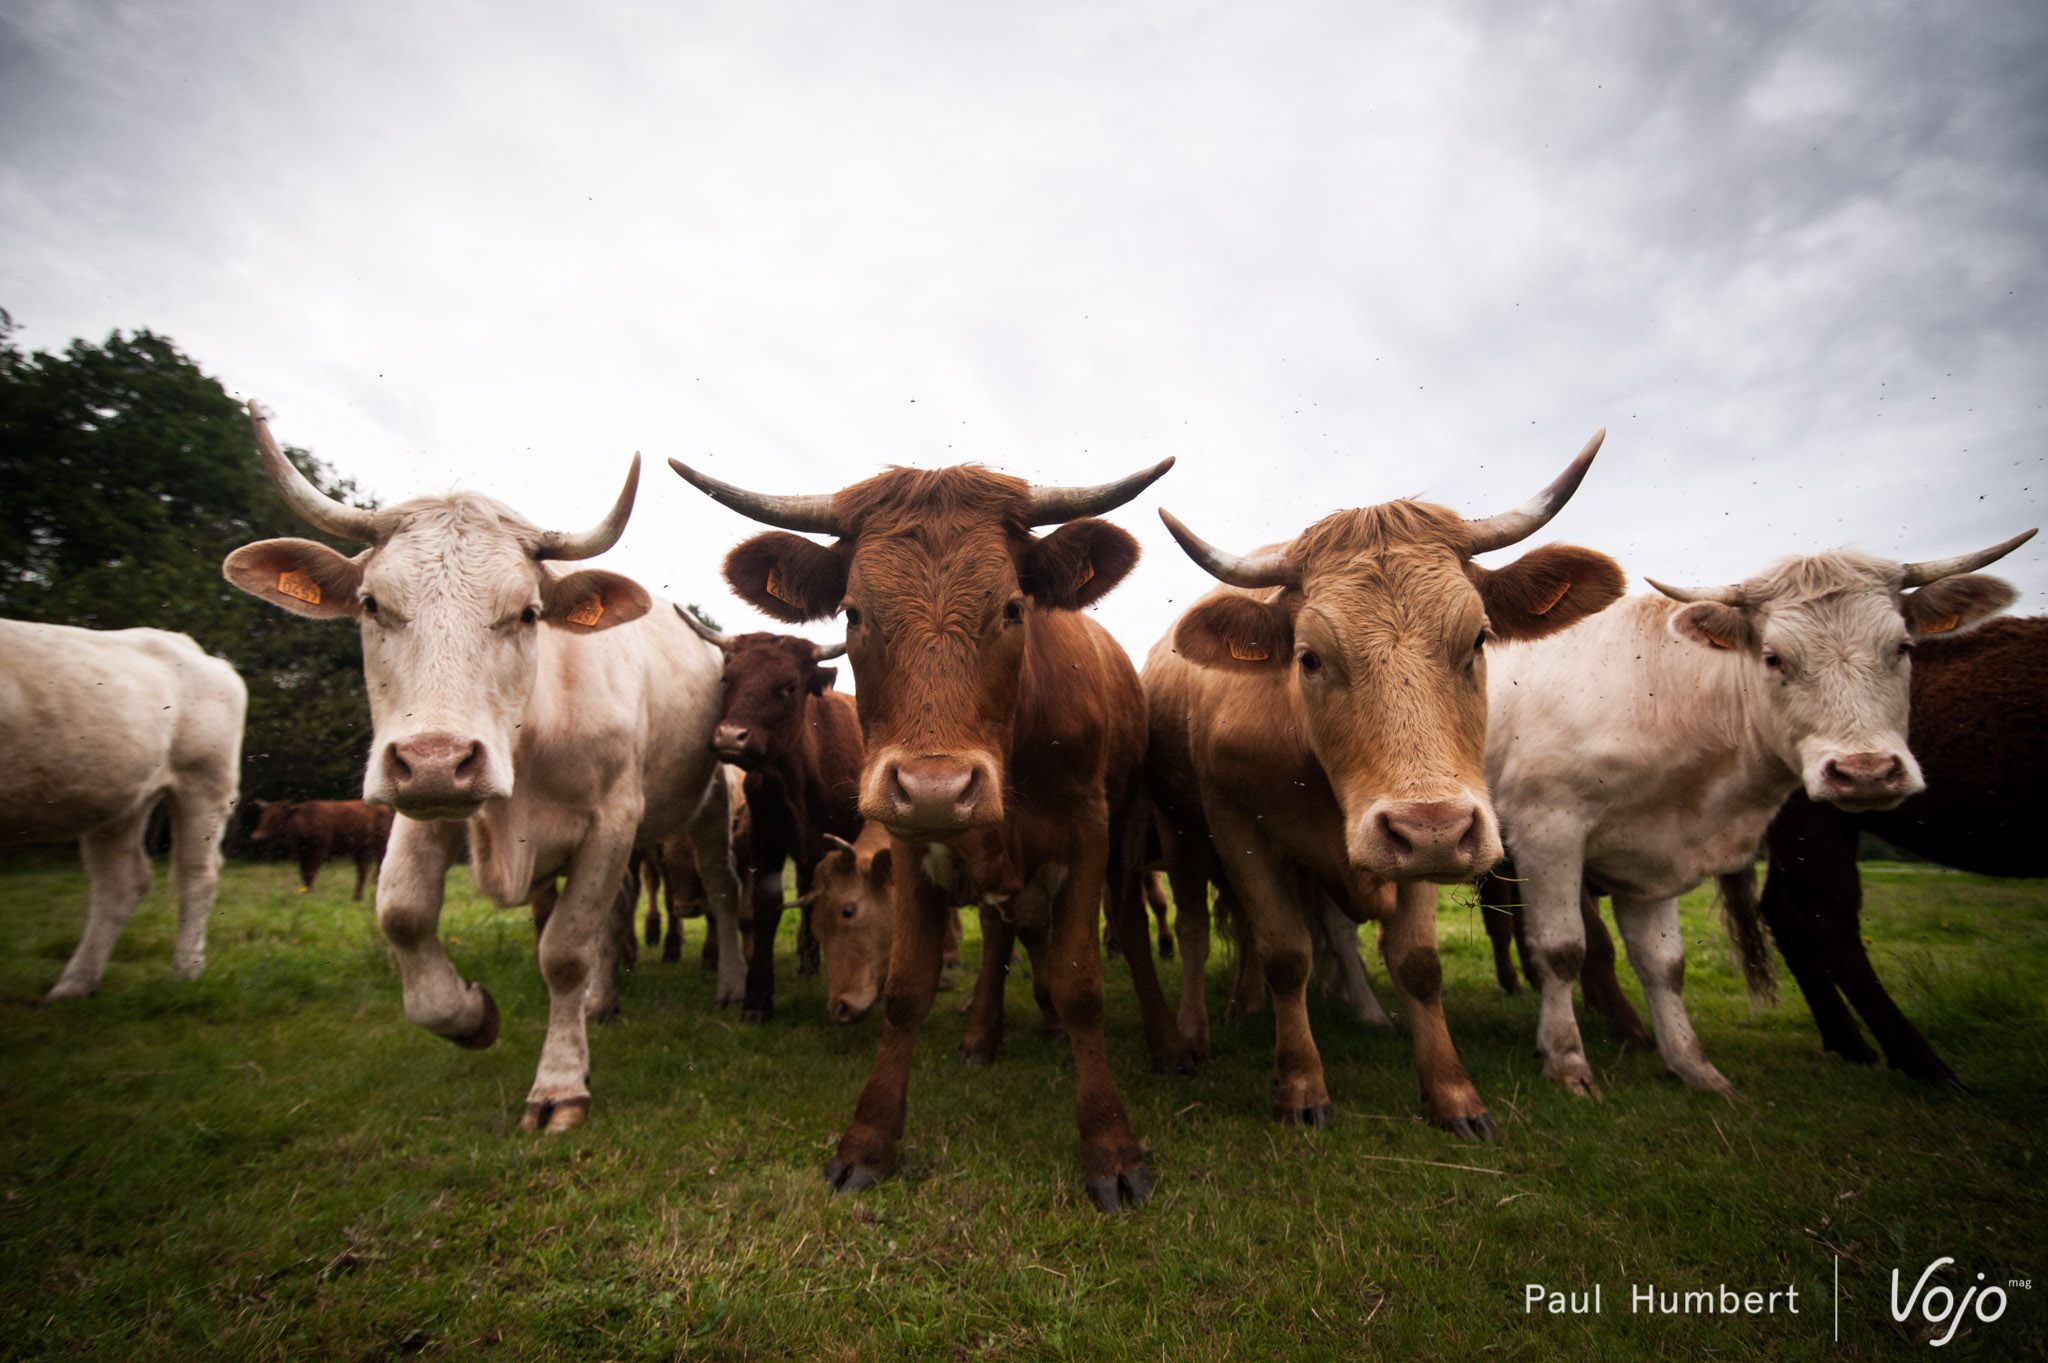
column 1446, row 841
column 935, row 796
column 435, row 776
column 852, row 1005
column 741, row 746
column 1865, row 780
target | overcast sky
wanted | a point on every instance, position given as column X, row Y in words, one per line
column 1793, row 257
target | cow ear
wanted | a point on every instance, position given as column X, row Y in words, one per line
column 1957, row 603
column 880, row 869
column 821, row 679
column 592, row 600
column 1716, row 626
column 1077, row 564
column 787, row 576
column 305, row 578
column 1236, row 631
column 1547, row 589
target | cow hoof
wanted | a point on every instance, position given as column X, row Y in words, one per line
column 555, row 1116
column 61, row 992
column 486, row 1032
column 849, row 1176
column 1175, row 1062
column 1317, row 1117
column 1114, row 1192
column 976, row 1054
column 1166, row 948
column 1479, row 1127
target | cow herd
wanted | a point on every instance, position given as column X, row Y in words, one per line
column 1349, row 720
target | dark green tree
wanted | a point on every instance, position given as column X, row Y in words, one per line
column 126, row 475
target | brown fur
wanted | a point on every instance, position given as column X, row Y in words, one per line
column 312, row 832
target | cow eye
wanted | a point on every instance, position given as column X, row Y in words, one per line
column 369, row 605
column 1310, row 662
column 852, row 616
column 1773, row 661
column 529, row 615
column 848, row 910
column 1013, row 611
column 1905, row 648
column 1479, row 641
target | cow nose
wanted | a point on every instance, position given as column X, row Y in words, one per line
column 1425, row 838
column 431, row 769
column 730, row 737
column 934, row 791
column 843, row 1011
column 1864, row 778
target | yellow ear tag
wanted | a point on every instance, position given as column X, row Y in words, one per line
column 1249, row 653
column 1087, row 573
column 297, row 585
column 1718, row 642
column 774, row 587
column 1544, row 609
column 588, row 613
column 1941, row 626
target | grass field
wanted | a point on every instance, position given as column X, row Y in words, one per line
column 273, row 1163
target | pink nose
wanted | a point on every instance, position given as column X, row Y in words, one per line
column 933, row 793
column 1426, row 838
column 430, row 769
column 1863, row 775
column 844, row 1010
column 730, row 737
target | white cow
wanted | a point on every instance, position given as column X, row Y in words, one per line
column 96, row 727
column 559, row 721
column 1648, row 746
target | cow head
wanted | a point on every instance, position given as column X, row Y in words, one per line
column 1826, row 642
column 451, row 596
column 853, row 916
column 768, row 679
column 273, row 819
column 1378, row 621
column 939, row 577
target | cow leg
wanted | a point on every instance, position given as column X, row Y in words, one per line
column 1813, row 879
column 1499, row 908
column 1555, row 937
column 1656, row 949
column 1408, row 942
column 766, row 903
column 1339, row 968
column 651, row 929
column 1191, row 927
column 312, row 854
column 1110, row 1158
column 1602, row 986
column 1248, row 985
column 409, row 890
column 711, row 840
column 613, row 950
column 983, row 1040
column 1155, row 896
column 1126, row 903
column 1285, row 951
column 810, row 957
column 199, row 817
column 1036, row 944
column 362, row 874
column 867, row 1151
column 119, row 874
column 575, row 957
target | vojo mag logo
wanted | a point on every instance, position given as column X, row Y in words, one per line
column 1937, row 1305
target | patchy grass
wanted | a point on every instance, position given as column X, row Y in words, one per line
column 272, row 1163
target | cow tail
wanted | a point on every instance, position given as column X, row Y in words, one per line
column 1741, row 916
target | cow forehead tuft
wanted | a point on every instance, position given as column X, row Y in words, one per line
column 1814, row 577
column 933, row 501
column 1391, row 528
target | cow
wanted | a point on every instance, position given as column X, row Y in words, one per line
column 312, row 831
column 554, row 720
column 1317, row 728
column 798, row 741
column 671, row 868
column 996, row 718
column 1649, row 748
column 853, row 910
column 98, row 728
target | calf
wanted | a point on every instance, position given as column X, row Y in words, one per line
column 1317, row 729
column 98, row 728
column 990, row 707
column 554, row 721
column 312, row 831
column 1648, row 749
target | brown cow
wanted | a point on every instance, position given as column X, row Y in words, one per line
column 853, row 909
column 990, row 707
column 798, row 741
column 312, row 832
column 1321, row 724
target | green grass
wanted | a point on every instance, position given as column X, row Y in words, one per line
column 273, row 1163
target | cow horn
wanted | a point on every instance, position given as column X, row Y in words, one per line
column 600, row 537
column 810, row 513
column 1272, row 569
column 721, row 642
column 1935, row 569
column 309, row 503
column 1058, row 505
column 1512, row 527
column 1726, row 596
column 839, row 841
column 825, row 653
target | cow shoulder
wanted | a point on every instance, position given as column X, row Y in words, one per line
column 1547, row 590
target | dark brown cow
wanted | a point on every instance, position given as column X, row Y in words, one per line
column 798, row 741
column 312, row 832
column 1320, row 725
column 991, row 708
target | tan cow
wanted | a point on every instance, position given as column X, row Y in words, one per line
column 1319, row 727
column 97, row 728
column 1648, row 749
column 549, row 719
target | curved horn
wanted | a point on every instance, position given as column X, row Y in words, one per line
column 307, row 502
column 600, row 537
column 1056, row 505
column 721, row 642
column 1934, row 569
column 825, row 653
column 810, row 513
column 1512, row 527
column 1727, row 596
column 1273, row 569
column 835, row 838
